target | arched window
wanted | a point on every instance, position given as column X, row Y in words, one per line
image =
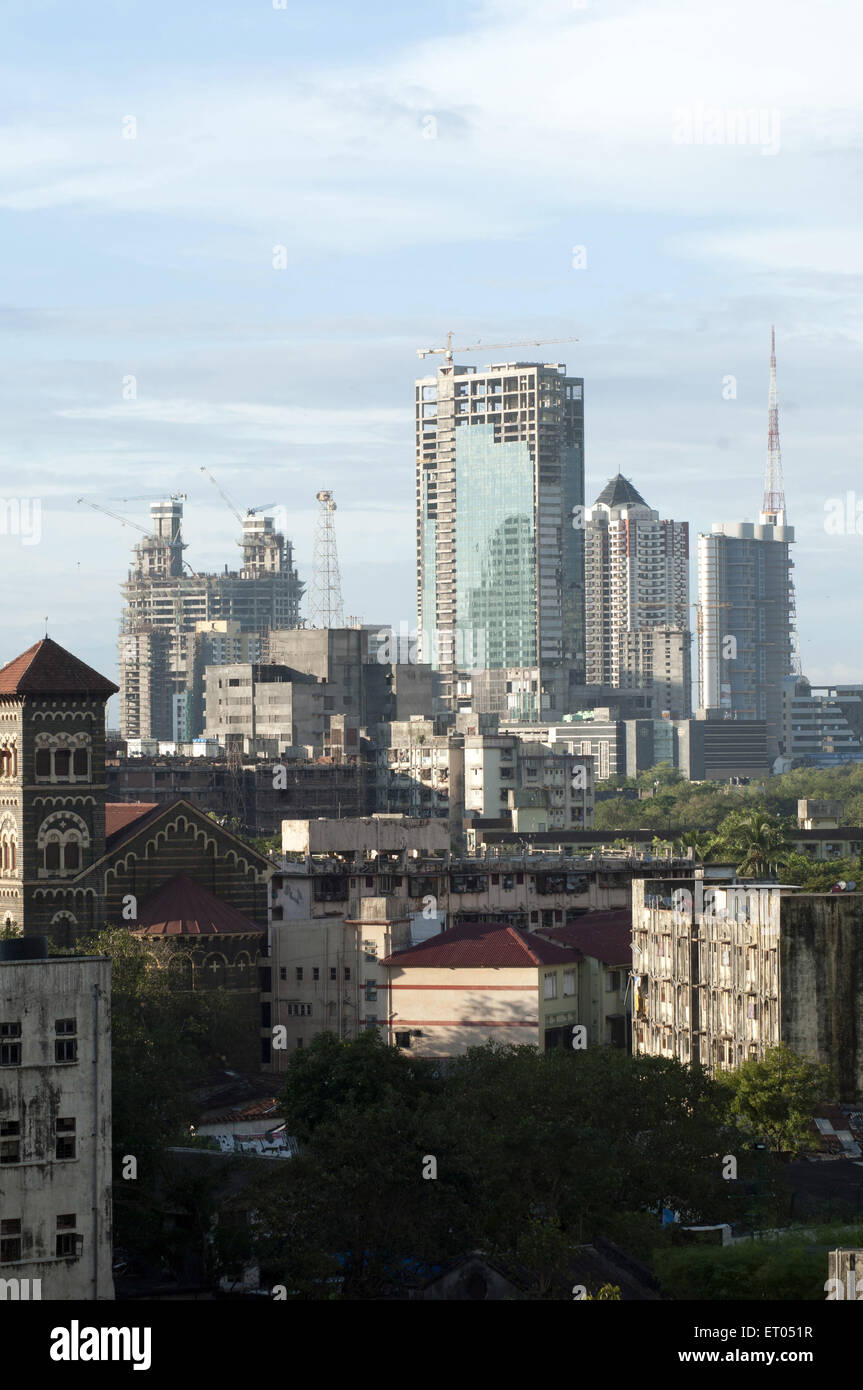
column 43, row 762
column 52, row 853
column 72, row 852
column 81, row 763
column 5, row 762
column 180, row 973
column 62, row 762
column 63, row 929
column 4, row 854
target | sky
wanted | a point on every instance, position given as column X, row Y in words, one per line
column 228, row 226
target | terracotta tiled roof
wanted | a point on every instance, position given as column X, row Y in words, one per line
column 184, row 907
column 46, row 668
column 119, row 814
column 606, row 936
column 484, row 944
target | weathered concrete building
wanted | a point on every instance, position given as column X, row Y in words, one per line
column 55, row 1123
column 723, row 971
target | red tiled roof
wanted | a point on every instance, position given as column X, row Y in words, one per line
column 606, row 936
column 488, row 944
column 46, row 668
column 119, row 814
column 184, row 907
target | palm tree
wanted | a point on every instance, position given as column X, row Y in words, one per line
column 765, row 846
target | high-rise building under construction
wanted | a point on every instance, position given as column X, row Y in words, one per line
column 746, row 603
column 167, row 625
column 500, row 540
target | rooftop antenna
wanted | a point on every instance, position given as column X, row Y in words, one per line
column 773, row 501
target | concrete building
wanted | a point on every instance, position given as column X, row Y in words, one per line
column 55, row 1124
column 723, row 971
column 166, row 606
column 822, row 726
column 248, row 701
column 745, row 605
column 637, row 597
column 500, row 559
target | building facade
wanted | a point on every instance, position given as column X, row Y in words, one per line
column 723, row 971
column 500, row 559
column 55, row 1124
column 637, row 597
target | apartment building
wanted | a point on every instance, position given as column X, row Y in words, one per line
column 822, row 725
column 637, row 597
column 724, row 970
column 55, row 1123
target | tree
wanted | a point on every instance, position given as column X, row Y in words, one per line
column 773, row 1099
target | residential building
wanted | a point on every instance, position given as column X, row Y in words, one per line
column 500, row 558
column 725, row 970
column 637, row 597
column 55, row 1124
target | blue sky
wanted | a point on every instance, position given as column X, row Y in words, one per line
column 553, row 125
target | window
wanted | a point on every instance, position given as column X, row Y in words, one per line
column 10, row 1051
column 10, row 1241
column 67, row 1223
column 347, row 972
column 64, row 1146
column 283, row 972
column 68, row 1246
column 316, row 974
column 403, row 1039
column 80, row 762
column 65, row 1047
column 299, row 1042
column 62, row 762
column 568, row 982
column 299, row 974
column 551, row 986
column 612, row 981
column 43, row 762
column 10, row 1141
column 332, row 972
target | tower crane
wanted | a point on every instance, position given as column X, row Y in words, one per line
column 484, row 347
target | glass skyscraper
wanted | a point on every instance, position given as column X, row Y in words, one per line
column 500, row 540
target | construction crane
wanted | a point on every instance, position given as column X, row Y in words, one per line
column 250, row 511
column 224, row 496
column 699, row 609
column 485, row 347
column 124, row 521
column 172, row 497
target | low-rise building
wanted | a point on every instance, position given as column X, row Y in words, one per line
column 723, row 971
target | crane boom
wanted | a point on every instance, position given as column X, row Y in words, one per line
column 124, row 520
column 484, row 347
column 224, row 496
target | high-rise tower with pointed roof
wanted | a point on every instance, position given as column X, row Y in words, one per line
column 637, row 597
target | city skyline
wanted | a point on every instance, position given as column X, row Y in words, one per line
column 664, row 250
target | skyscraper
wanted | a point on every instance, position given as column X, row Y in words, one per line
column 746, row 602
column 500, row 556
column 637, row 597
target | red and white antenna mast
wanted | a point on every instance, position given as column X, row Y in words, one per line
column 773, row 501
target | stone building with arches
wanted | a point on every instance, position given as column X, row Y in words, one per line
column 71, row 863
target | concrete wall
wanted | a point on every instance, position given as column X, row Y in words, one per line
column 38, row 1092
column 821, row 948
